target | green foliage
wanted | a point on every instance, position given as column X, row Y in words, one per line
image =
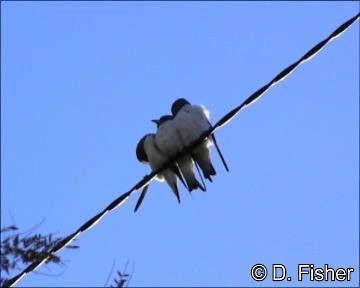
column 18, row 250
column 120, row 282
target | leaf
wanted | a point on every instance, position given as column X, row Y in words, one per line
column 16, row 241
column 10, row 228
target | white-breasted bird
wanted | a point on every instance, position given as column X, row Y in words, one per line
column 147, row 152
column 192, row 121
column 168, row 140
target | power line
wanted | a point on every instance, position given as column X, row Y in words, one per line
column 148, row 178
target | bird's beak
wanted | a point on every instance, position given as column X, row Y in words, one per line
column 156, row 122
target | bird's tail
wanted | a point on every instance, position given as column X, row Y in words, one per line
column 186, row 166
column 219, row 152
column 206, row 167
column 202, row 156
column 176, row 170
column 195, row 184
column 202, row 180
column 171, row 176
column 143, row 193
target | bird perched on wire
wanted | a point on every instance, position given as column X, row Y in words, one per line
column 191, row 121
column 168, row 141
column 148, row 152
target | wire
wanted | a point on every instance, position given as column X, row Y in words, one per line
column 148, row 178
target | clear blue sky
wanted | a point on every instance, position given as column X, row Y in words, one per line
column 80, row 82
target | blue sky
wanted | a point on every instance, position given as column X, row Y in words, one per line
column 81, row 82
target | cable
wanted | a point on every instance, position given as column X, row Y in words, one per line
column 148, row 178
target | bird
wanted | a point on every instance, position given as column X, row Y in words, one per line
column 191, row 122
column 147, row 152
column 168, row 140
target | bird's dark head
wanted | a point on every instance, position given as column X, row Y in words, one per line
column 140, row 151
column 177, row 105
column 162, row 120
